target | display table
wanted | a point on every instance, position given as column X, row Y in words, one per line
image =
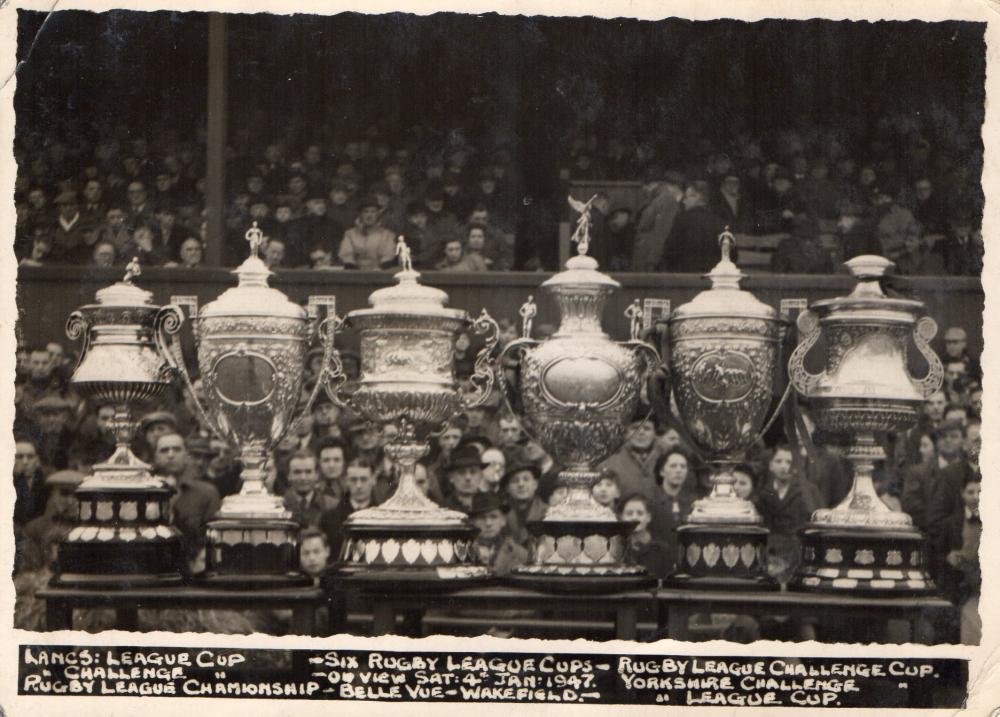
column 676, row 607
column 61, row 602
column 413, row 605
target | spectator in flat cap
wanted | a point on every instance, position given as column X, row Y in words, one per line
column 53, row 416
column 368, row 245
column 948, row 441
column 519, row 486
column 43, row 534
column 635, row 462
column 151, row 427
column 70, row 236
column 664, row 192
column 494, row 547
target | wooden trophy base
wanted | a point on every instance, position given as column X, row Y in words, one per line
column 722, row 557
column 863, row 561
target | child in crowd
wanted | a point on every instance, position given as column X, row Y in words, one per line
column 654, row 555
column 965, row 530
column 314, row 553
column 606, row 490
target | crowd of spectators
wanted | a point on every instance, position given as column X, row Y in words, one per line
column 485, row 464
column 895, row 186
column 906, row 189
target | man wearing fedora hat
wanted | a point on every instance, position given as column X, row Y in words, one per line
column 464, row 471
column 519, row 485
column 368, row 245
column 494, row 546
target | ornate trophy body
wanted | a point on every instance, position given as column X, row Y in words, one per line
column 578, row 390
column 724, row 352
column 124, row 538
column 251, row 344
column 862, row 545
column 408, row 380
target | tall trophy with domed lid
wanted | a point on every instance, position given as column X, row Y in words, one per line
column 578, row 390
column 123, row 538
column 724, row 348
column 251, row 343
column 862, row 545
column 408, row 380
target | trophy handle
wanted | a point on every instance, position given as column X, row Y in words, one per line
column 168, row 321
column 482, row 377
column 189, row 302
column 923, row 332
column 331, row 375
column 77, row 327
column 514, row 347
column 803, row 380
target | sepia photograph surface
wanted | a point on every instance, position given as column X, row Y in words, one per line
column 614, row 356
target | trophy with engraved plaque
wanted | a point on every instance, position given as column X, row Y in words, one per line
column 251, row 345
column 408, row 380
column 578, row 390
column 861, row 545
column 724, row 347
column 124, row 537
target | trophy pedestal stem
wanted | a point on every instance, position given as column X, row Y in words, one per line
column 580, row 545
column 253, row 540
column 123, row 538
column 723, row 545
column 862, row 546
column 409, row 539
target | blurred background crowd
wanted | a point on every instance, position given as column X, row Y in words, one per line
column 828, row 137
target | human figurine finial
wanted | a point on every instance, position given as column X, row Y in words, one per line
column 581, row 236
column 132, row 270
column 527, row 311
column 403, row 252
column 634, row 315
column 727, row 240
column 255, row 236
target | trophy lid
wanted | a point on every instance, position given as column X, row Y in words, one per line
column 868, row 269
column 581, row 270
column 252, row 296
column 408, row 295
column 725, row 298
column 125, row 293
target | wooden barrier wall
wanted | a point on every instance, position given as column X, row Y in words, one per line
column 46, row 295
